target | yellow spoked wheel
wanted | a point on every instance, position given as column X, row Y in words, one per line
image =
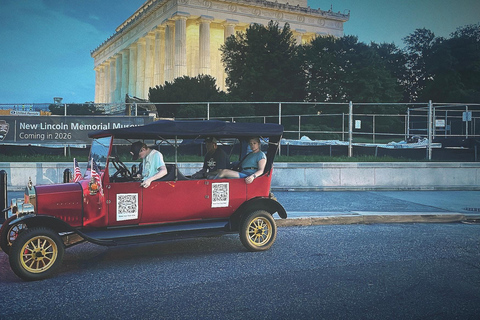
column 36, row 253
column 258, row 231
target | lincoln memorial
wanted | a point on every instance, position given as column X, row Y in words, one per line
column 167, row 39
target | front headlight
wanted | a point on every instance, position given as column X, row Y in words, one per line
column 19, row 208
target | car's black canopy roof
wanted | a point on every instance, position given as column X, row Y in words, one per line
column 170, row 129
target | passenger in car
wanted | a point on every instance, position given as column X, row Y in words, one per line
column 215, row 159
column 252, row 166
column 152, row 162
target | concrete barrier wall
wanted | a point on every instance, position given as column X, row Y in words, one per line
column 304, row 176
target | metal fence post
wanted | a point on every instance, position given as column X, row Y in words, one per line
column 279, row 122
column 208, row 110
column 3, row 193
column 350, row 128
column 429, row 127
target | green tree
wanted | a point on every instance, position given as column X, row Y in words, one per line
column 74, row 109
column 202, row 88
column 343, row 69
column 263, row 64
column 418, row 48
column 454, row 67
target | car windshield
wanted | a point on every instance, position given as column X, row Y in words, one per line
column 99, row 151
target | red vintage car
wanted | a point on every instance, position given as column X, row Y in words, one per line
column 109, row 207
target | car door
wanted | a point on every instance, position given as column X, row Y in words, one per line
column 184, row 200
column 124, row 202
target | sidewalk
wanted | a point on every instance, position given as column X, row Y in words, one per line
column 368, row 207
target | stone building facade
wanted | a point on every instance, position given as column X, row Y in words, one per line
column 166, row 39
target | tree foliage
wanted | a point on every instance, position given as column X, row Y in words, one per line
column 343, row 69
column 74, row 109
column 444, row 70
column 263, row 64
column 454, row 67
column 186, row 89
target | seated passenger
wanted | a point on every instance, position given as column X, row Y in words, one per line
column 253, row 164
column 153, row 166
column 215, row 159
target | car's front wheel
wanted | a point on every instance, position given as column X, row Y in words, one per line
column 8, row 234
column 36, row 254
column 258, row 231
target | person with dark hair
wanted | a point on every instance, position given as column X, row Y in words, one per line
column 152, row 162
column 215, row 159
column 252, row 165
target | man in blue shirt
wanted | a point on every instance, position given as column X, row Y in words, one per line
column 152, row 162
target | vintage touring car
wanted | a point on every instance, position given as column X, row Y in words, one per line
column 108, row 206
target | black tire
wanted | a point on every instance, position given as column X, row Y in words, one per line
column 8, row 234
column 258, row 231
column 36, row 254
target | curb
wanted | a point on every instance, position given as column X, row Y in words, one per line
column 371, row 218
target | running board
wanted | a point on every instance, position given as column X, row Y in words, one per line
column 138, row 234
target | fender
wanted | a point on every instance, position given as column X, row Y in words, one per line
column 34, row 220
column 58, row 225
column 259, row 203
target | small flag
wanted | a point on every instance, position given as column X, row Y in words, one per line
column 76, row 171
column 96, row 176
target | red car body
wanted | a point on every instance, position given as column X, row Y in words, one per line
column 116, row 210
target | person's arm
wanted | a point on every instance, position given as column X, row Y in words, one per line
column 162, row 172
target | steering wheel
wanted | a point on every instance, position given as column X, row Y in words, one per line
column 121, row 168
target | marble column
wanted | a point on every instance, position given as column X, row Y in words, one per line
column 101, row 85
column 159, row 77
column 97, row 84
column 106, row 86
column 298, row 33
column 229, row 28
column 125, row 71
column 140, row 68
column 204, row 44
column 112, row 80
column 118, row 78
column 169, row 50
column 180, row 64
column 149, row 62
column 132, row 70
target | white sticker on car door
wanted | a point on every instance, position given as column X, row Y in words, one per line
column 127, row 206
column 220, row 194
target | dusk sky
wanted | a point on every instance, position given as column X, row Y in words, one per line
column 46, row 44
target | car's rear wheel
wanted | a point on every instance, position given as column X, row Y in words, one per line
column 258, row 231
column 8, row 234
column 36, row 254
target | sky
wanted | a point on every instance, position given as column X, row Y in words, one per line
column 45, row 45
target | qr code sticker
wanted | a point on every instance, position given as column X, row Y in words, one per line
column 220, row 195
column 127, row 206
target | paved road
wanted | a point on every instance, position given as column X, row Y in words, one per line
column 380, row 271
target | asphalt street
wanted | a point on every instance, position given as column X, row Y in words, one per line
column 377, row 272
